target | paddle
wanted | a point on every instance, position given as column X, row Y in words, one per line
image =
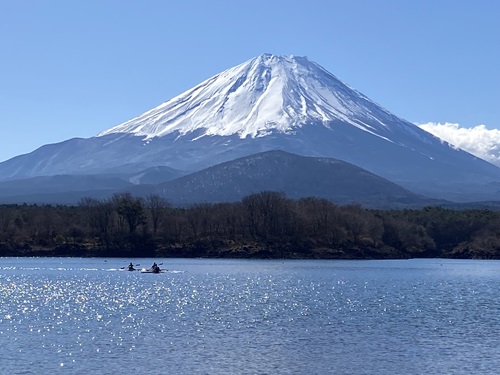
column 161, row 264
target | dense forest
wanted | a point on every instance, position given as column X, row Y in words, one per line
column 261, row 225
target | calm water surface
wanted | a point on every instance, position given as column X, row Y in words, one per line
column 86, row 316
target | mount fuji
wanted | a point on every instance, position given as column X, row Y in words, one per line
column 268, row 103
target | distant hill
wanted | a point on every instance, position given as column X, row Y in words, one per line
column 69, row 189
column 296, row 176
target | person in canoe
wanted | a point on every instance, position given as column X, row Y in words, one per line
column 131, row 267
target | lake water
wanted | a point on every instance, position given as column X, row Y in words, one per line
column 86, row 316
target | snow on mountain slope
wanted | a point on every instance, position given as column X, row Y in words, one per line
column 267, row 93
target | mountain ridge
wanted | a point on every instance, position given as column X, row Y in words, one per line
column 293, row 175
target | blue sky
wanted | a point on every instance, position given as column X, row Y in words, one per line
column 76, row 68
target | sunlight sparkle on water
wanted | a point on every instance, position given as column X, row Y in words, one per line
column 252, row 317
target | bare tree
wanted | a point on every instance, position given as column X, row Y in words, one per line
column 157, row 207
column 98, row 216
column 6, row 219
column 131, row 209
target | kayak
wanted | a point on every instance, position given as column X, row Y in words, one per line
column 144, row 270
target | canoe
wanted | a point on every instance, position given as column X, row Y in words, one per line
column 144, row 270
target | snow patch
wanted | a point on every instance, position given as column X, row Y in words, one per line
column 265, row 94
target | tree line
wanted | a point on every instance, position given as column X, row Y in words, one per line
column 261, row 225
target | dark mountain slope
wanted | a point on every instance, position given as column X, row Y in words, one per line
column 296, row 176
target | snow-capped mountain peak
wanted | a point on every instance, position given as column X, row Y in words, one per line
column 267, row 93
column 268, row 103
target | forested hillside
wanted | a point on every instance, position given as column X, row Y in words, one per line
column 262, row 225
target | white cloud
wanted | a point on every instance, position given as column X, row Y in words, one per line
column 479, row 141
